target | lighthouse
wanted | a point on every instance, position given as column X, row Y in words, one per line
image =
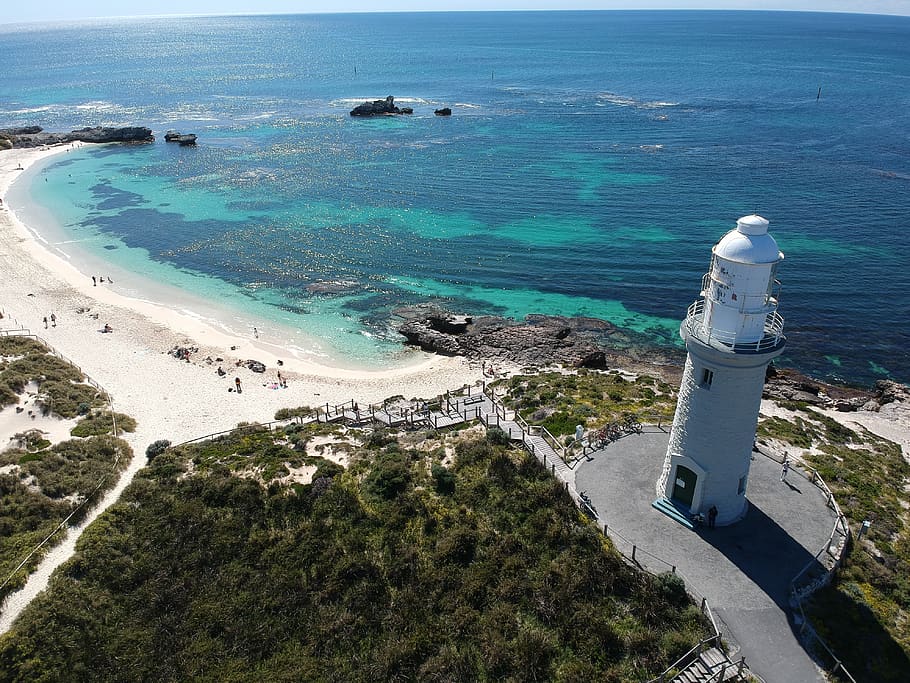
column 732, row 332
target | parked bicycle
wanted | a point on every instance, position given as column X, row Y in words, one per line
column 632, row 425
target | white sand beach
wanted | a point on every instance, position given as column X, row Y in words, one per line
column 169, row 398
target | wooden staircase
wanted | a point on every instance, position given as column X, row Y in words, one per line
column 710, row 666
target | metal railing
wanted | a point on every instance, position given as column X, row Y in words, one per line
column 772, row 337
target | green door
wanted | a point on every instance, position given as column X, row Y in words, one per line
column 684, row 487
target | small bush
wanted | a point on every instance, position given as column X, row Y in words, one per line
column 498, row 437
column 388, row 478
column 673, row 589
column 288, row 413
column 445, row 479
column 156, row 448
column 103, row 423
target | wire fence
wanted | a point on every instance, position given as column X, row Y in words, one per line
column 809, row 579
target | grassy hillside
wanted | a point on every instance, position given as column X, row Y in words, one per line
column 438, row 557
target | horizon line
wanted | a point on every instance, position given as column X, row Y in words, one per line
column 199, row 15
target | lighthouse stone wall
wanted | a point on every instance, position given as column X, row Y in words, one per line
column 728, row 399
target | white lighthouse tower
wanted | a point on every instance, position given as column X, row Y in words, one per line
column 732, row 332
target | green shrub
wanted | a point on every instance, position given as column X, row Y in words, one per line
column 497, row 436
column 389, row 477
column 156, row 448
column 444, row 479
column 102, row 422
column 288, row 413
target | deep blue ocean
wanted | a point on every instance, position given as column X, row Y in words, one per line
column 591, row 161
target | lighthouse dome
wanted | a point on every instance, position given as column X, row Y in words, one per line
column 749, row 242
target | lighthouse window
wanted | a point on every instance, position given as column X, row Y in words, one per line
column 707, row 376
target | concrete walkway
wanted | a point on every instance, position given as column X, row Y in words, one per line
column 744, row 570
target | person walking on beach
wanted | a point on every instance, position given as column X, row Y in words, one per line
column 45, row 322
column 784, row 468
column 256, row 333
column 94, row 281
column 53, row 320
column 238, row 385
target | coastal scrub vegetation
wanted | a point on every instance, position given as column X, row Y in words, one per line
column 61, row 388
column 864, row 616
column 560, row 401
column 103, row 422
column 431, row 556
column 39, row 490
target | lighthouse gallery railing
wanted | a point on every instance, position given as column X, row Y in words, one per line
column 772, row 337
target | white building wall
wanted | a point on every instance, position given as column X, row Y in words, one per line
column 737, row 300
column 714, row 430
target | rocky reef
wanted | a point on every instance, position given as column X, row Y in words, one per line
column 384, row 107
column 538, row 340
column 445, row 111
column 34, row 136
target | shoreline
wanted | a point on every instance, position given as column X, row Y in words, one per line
column 180, row 306
column 39, row 280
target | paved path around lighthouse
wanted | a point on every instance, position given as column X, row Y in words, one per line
column 744, row 570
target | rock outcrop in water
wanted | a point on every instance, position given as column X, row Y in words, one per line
column 34, row 136
column 183, row 139
column 445, row 111
column 384, row 107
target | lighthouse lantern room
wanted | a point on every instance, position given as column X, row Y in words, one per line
column 732, row 332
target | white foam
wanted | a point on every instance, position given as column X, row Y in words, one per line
column 32, row 110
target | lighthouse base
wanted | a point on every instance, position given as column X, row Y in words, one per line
column 693, row 490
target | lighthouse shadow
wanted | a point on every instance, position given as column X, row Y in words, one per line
column 765, row 552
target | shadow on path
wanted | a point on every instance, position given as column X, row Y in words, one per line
column 763, row 551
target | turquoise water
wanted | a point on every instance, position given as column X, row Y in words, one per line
column 592, row 160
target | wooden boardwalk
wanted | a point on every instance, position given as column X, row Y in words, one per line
column 453, row 409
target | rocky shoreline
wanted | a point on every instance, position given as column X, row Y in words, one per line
column 35, row 136
column 538, row 340
column 541, row 341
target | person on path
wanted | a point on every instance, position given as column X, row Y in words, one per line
column 94, row 281
column 784, row 468
column 712, row 516
column 238, row 385
column 53, row 320
column 45, row 322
